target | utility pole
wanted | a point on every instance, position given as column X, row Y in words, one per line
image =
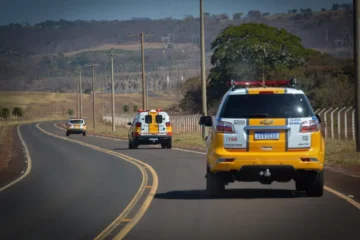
column 93, row 90
column 144, row 84
column 203, row 77
column 112, row 92
column 77, row 99
column 102, row 97
column 356, row 24
column 80, row 90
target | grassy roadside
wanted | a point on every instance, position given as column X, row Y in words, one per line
column 337, row 151
column 12, row 160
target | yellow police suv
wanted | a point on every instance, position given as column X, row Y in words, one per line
column 77, row 126
column 265, row 133
column 150, row 127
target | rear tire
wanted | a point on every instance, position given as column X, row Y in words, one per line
column 163, row 145
column 315, row 186
column 67, row 134
column 300, row 185
column 135, row 145
column 215, row 186
column 130, row 145
column 84, row 133
column 169, row 144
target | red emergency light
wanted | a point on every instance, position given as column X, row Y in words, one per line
column 260, row 83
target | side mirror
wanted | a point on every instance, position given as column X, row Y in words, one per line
column 206, row 121
column 129, row 123
column 318, row 117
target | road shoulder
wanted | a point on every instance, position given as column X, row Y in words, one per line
column 13, row 157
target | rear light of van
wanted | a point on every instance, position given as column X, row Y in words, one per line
column 309, row 126
column 138, row 124
column 168, row 124
column 224, row 127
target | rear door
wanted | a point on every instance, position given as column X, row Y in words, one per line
column 153, row 125
column 266, row 122
column 160, row 119
column 146, row 121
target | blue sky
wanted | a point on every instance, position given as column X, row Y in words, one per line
column 34, row 11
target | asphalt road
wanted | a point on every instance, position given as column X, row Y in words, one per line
column 73, row 192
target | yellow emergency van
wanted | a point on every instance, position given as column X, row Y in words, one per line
column 150, row 127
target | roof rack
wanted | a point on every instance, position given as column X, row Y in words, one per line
column 291, row 83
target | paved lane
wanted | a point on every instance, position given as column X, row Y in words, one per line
column 72, row 192
column 248, row 210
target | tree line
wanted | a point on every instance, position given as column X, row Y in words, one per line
column 16, row 112
column 245, row 52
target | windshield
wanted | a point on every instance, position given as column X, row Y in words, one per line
column 267, row 106
column 76, row 121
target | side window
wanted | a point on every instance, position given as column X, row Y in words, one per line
column 148, row 119
column 159, row 119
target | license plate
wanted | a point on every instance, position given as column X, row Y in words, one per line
column 153, row 139
column 267, row 136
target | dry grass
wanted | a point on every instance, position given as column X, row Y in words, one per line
column 342, row 152
column 5, row 145
column 51, row 106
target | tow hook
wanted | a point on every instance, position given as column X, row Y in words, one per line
column 267, row 173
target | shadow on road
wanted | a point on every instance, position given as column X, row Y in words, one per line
column 231, row 193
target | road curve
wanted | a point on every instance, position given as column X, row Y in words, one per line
column 72, row 192
column 247, row 211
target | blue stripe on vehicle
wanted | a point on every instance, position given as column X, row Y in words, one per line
column 247, row 134
column 287, row 132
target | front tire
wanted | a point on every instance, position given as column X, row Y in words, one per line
column 67, row 134
column 315, row 186
column 215, row 186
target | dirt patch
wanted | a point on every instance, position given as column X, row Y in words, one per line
column 13, row 159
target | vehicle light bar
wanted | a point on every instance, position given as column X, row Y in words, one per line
column 260, row 83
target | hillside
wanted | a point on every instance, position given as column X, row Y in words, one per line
column 48, row 53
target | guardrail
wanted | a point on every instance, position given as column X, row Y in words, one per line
column 337, row 123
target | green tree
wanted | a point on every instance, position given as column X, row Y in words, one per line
column 17, row 112
column 5, row 113
column 245, row 51
column 238, row 15
column 70, row 112
column 125, row 108
column 135, row 108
